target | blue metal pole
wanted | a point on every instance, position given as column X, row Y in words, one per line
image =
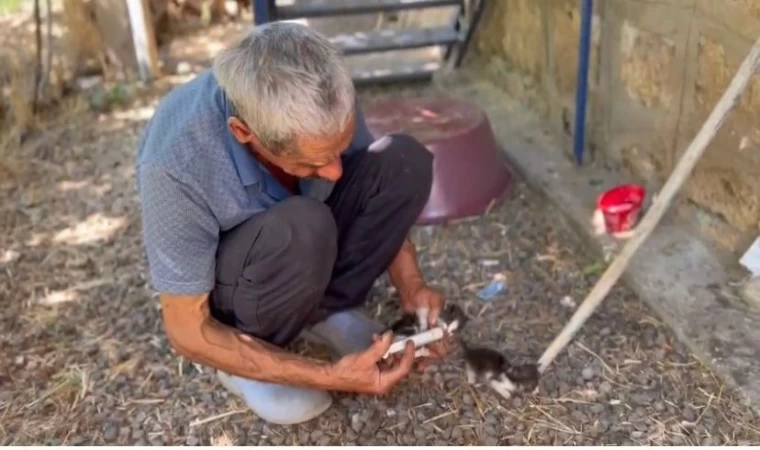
column 261, row 12
column 581, row 93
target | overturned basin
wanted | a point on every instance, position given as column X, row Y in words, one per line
column 469, row 172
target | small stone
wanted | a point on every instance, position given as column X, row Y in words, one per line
column 637, row 434
column 605, row 331
column 467, row 399
column 605, row 387
column 597, row 408
column 578, row 416
column 659, row 406
column 277, row 440
column 183, row 68
column 419, row 433
column 516, row 440
column 456, row 434
column 324, row 441
column 689, row 414
column 110, row 432
column 19, row 360
column 316, row 435
column 303, row 436
column 587, row 373
column 191, row 441
column 356, row 423
column 491, row 441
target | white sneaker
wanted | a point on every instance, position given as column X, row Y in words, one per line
column 277, row 403
column 344, row 332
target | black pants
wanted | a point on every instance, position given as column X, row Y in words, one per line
column 300, row 260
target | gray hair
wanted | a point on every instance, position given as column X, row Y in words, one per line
column 286, row 80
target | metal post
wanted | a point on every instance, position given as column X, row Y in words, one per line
column 262, row 11
column 581, row 93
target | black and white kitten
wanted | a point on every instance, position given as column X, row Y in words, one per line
column 452, row 319
column 492, row 367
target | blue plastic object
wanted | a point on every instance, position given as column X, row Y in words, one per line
column 581, row 93
column 494, row 288
column 262, row 11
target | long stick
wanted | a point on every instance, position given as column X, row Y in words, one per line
column 653, row 216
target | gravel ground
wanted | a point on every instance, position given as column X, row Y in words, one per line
column 84, row 358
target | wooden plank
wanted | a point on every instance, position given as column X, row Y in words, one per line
column 144, row 39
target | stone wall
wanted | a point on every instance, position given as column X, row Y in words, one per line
column 657, row 69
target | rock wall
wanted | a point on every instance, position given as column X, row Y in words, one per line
column 657, row 69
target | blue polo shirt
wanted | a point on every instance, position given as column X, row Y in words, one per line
column 195, row 180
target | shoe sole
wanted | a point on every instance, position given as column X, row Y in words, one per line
column 226, row 381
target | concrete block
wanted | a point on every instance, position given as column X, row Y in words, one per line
column 742, row 16
column 713, row 227
column 725, row 180
column 565, row 26
column 645, row 48
column 647, row 66
column 732, row 192
column 523, row 43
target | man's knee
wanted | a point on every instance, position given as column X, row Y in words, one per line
column 285, row 272
column 409, row 160
column 308, row 234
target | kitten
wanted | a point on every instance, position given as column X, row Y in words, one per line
column 452, row 318
column 492, row 367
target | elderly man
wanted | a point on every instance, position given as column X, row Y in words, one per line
column 268, row 213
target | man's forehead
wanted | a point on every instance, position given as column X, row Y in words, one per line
column 328, row 146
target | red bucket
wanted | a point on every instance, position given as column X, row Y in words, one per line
column 621, row 207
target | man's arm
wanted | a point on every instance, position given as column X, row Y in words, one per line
column 195, row 335
column 404, row 272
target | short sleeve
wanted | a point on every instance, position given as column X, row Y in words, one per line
column 180, row 233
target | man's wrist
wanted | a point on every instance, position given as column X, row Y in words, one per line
column 409, row 286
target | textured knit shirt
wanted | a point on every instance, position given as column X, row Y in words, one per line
column 195, row 181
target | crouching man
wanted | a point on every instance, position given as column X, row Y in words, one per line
column 268, row 213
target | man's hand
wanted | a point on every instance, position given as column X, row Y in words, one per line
column 360, row 372
column 429, row 300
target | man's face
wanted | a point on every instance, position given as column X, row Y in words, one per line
column 315, row 157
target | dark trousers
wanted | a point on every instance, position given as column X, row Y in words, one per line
column 300, row 260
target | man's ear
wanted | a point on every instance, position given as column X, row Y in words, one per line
column 240, row 130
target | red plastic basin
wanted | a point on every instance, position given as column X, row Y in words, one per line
column 469, row 171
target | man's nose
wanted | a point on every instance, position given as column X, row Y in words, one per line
column 332, row 171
